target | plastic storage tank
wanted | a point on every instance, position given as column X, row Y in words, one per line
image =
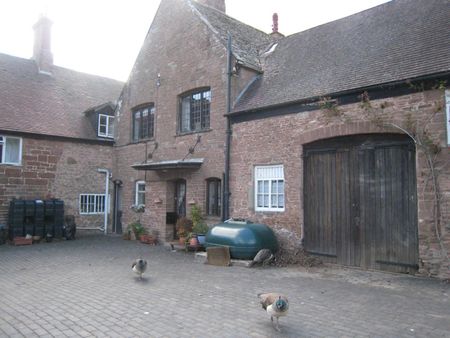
column 244, row 238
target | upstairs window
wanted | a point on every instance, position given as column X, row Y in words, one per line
column 194, row 111
column 143, row 123
column 10, row 150
column 213, row 197
column 140, row 193
column 269, row 188
column 105, row 126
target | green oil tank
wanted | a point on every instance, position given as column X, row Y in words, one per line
column 243, row 238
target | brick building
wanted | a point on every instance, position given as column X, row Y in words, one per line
column 336, row 135
column 51, row 143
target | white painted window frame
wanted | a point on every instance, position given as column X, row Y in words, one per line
column 137, row 192
column 99, row 208
column 270, row 179
column 109, row 130
column 3, row 154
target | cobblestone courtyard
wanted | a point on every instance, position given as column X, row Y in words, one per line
column 86, row 288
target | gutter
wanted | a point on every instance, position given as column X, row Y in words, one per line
column 105, row 221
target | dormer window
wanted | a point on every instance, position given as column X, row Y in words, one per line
column 105, row 126
column 143, row 122
column 194, row 111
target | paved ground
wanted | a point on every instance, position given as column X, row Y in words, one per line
column 86, row 288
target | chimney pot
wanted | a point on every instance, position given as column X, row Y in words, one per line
column 275, row 33
column 275, row 23
column 42, row 53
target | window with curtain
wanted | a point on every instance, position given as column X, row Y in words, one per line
column 10, row 150
column 140, row 193
column 269, row 188
column 105, row 126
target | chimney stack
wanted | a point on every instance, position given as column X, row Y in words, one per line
column 42, row 53
column 217, row 4
column 275, row 33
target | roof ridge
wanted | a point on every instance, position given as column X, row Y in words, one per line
column 388, row 2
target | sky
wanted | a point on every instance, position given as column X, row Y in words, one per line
column 103, row 37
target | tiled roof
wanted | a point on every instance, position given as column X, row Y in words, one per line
column 247, row 42
column 50, row 105
column 399, row 40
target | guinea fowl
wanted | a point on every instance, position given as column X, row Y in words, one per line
column 275, row 304
column 139, row 266
column 263, row 257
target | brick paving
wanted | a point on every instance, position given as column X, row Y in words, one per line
column 85, row 288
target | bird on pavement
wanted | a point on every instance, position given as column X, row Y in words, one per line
column 263, row 257
column 139, row 266
column 275, row 304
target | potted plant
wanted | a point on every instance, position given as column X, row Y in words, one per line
column 137, row 229
column 200, row 228
column 183, row 228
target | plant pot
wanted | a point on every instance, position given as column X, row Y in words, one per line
column 148, row 239
column 22, row 241
column 182, row 240
column 193, row 241
column 201, row 239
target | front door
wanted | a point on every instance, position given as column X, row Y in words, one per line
column 180, row 198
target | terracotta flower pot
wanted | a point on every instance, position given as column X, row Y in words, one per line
column 193, row 241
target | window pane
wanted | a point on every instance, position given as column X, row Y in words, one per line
column 259, row 200
column 266, row 187
column 12, row 150
column 185, row 114
column 205, row 109
column 273, row 201
column 111, row 127
column 266, row 201
column 280, row 201
column 274, row 187
column 260, row 187
column 137, row 125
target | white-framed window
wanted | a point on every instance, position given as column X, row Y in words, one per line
column 140, row 193
column 269, row 188
column 92, row 204
column 10, row 150
column 105, row 125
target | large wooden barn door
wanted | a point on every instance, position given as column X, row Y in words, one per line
column 360, row 201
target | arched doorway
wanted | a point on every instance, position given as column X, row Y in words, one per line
column 360, row 201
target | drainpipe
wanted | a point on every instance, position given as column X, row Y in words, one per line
column 105, row 222
column 117, row 185
column 226, row 201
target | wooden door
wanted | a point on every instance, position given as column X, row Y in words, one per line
column 360, row 201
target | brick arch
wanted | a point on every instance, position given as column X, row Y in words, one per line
column 349, row 128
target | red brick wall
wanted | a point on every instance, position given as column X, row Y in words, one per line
column 279, row 140
column 185, row 59
column 56, row 169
